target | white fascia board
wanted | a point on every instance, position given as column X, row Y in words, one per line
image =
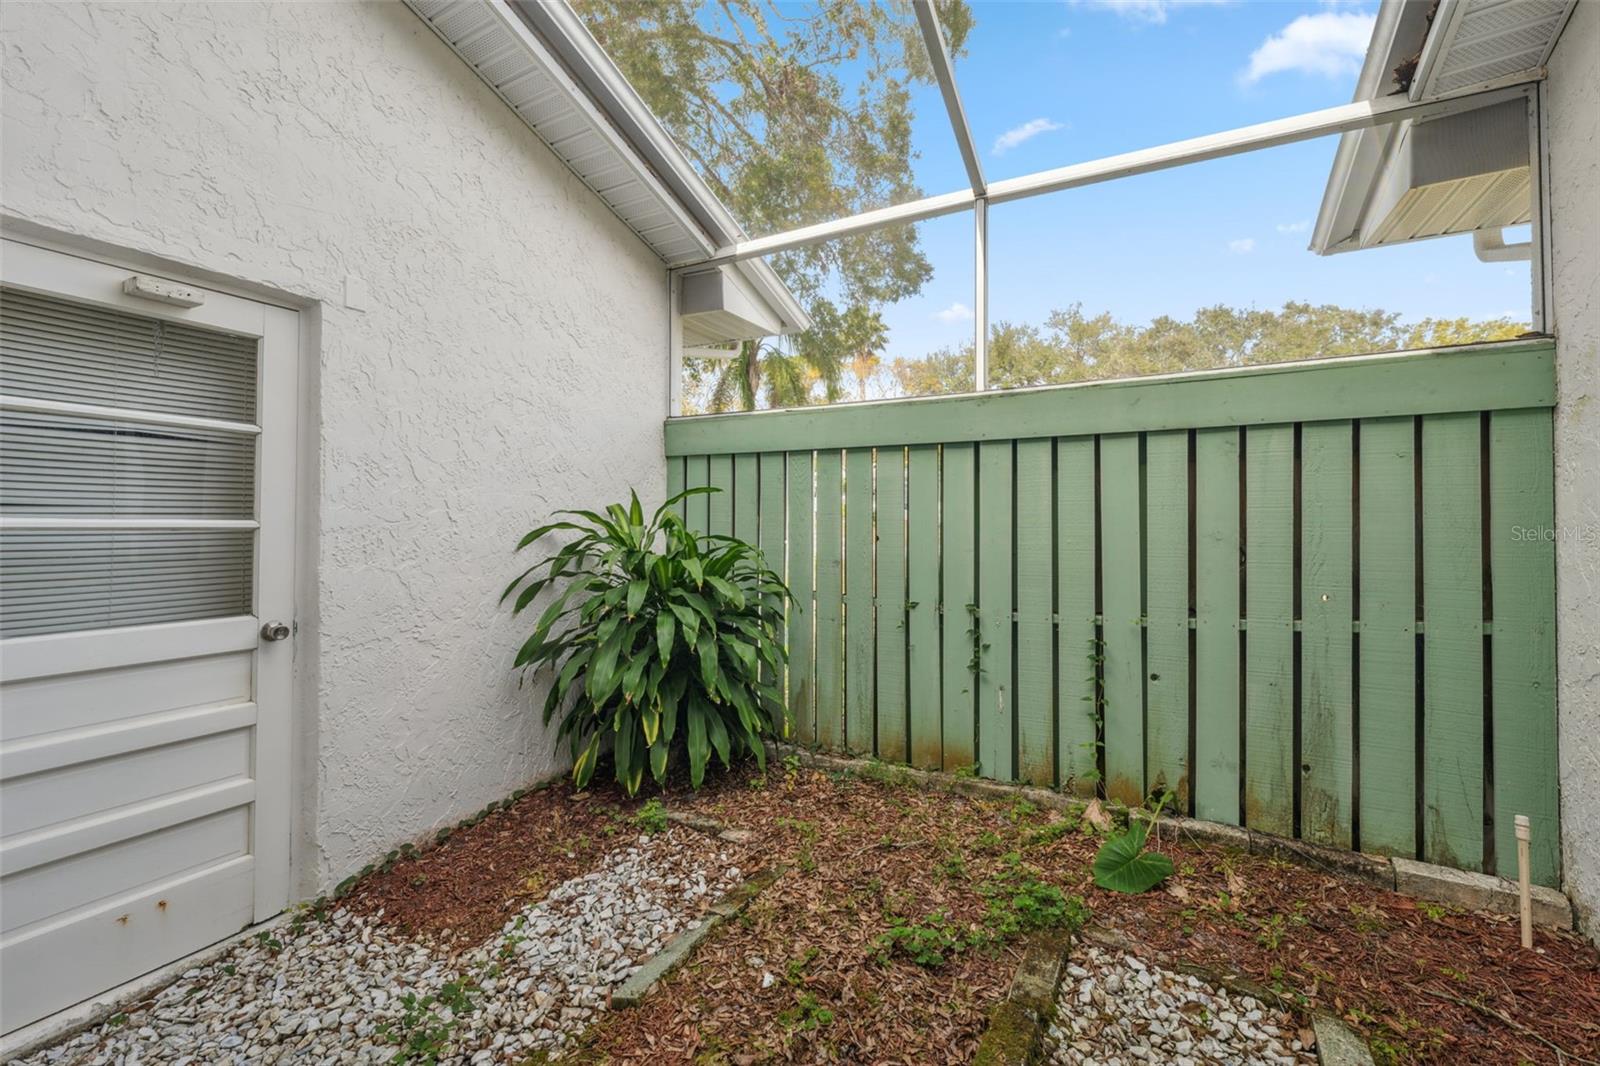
column 588, row 63
column 1398, row 29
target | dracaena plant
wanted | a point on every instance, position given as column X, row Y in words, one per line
column 659, row 643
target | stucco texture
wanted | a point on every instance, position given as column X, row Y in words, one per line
column 1572, row 99
column 511, row 358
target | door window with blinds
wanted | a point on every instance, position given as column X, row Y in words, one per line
column 76, row 447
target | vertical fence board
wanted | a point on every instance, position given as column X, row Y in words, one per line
column 1035, row 695
column 1522, row 565
column 1452, row 575
column 697, row 474
column 1269, row 636
column 959, row 603
column 996, row 726
column 859, row 656
column 802, row 609
column 675, row 481
column 830, row 600
column 1327, row 585
column 922, row 607
column 746, row 496
column 1388, row 690
column 1122, row 595
column 891, row 604
column 1216, row 636
column 769, row 523
column 1167, row 614
column 1076, row 762
column 720, row 503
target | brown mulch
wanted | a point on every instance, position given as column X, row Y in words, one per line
column 1423, row 983
column 466, row 888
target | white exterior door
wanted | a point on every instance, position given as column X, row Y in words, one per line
column 147, row 466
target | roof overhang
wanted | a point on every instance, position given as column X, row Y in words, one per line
column 540, row 59
column 1468, row 172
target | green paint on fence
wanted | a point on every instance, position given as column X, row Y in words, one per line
column 922, row 607
column 1122, row 597
column 1167, row 613
column 1269, row 641
column 1036, row 638
column 1452, row 579
column 1076, row 761
column 996, row 732
column 891, row 604
column 1388, row 689
column 860, row 660
column 675, row 482
column 746, row 496
column 800, row 578
column 959, row 494
column 697, row 475
column 719, row 519
column 1327, row 588
column 1522, row 560
column 830, row 600
column 1216, row 636
column 770, row 520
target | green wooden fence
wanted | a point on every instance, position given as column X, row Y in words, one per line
column 1316, row 599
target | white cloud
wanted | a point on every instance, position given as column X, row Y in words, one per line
column 1151, row 11
column 1242, row 246
column 1330, row 43
column 1294, row 227
column 1025, row 132
column 956, row 312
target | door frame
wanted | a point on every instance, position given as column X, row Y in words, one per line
column 90, row 279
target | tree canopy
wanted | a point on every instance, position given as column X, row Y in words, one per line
column 1072, row 346
column 793, row 116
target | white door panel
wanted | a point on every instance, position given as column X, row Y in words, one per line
column 60, row 888
column 146, row 533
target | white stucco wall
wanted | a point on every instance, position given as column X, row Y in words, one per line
column 511, row 358
column 1572, row 99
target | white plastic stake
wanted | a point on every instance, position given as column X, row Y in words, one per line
column 1524, row 833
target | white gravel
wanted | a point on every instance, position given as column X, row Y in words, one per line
column 1116, row 1010
column 324, row 994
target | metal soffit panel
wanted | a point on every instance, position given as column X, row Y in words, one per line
column 1494, row 39
column 490, row 40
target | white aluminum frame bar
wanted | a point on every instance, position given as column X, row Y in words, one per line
column 980, row 302
column 72, row 522
column 28, row 405
column 944, row 73
column 1361, row 114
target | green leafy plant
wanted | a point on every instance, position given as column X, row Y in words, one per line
column 652, row 817
column 656, row 643
column 927, row 941
column 423, row 1030
column 1122, row 864
column 1021, row 903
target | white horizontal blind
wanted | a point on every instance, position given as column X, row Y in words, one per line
column 58, row 581
column 73, row 486
column 56, row 350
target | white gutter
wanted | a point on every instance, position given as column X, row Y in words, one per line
column 1490, row 247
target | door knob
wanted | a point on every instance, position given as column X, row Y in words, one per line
column 275, row 631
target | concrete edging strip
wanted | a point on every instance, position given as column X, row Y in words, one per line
column 1016, row 1027
column 677, row 950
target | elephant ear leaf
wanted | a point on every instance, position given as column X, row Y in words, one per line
column 1122, row 864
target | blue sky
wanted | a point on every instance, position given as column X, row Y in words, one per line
column 1053, row 82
